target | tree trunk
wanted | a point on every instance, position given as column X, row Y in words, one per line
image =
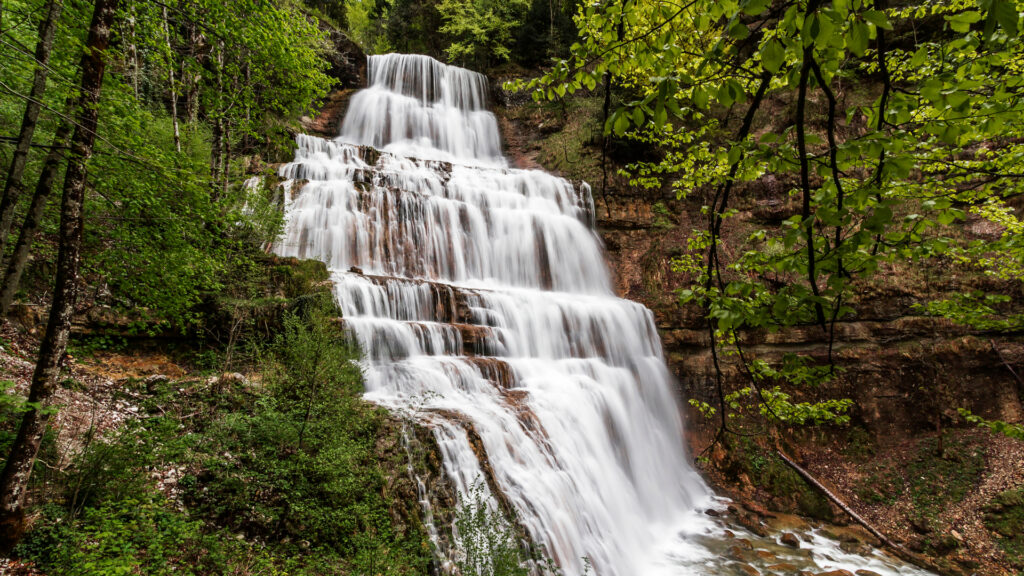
column 174, row 90
column 190, row 78
column 16, row 473
column 218, row 126
column 226, row 163
column 16, row 265
column 835, row 500
column 13, row 188
column 217, row 129
column 133, row 50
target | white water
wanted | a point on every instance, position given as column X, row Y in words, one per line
column 482, row 301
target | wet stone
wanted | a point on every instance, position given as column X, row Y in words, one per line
column 750, row 570
column 855, row 548
column 737, row 553
column 863, row 572
column 784, row 568
column 752, row 523
column 790, row 539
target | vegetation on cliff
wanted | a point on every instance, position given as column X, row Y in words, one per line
column 285, row 470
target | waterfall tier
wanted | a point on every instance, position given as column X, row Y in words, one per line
column 417, row 107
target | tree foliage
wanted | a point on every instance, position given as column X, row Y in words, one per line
column 195, row 85
column 881, row 176
column 474, row 33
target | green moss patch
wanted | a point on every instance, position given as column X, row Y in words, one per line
column 1004, row 516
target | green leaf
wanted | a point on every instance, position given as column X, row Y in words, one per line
column 734, row 154
column 878, row 19
column 812, row 27
column 1005, row 13
column 857, row 38
column 755, row 7
column 739, row 30
column 621, row 124
column 660, row 116
column 773, row 54
column 725, row 97
column 962, row 22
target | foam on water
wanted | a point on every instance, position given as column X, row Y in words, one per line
column 481, row 298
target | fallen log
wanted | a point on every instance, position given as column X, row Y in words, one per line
column 835, row 500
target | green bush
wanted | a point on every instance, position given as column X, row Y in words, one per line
column 488, row 543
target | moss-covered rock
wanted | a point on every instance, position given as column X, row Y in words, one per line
column 259, row 292
column 1004, row 516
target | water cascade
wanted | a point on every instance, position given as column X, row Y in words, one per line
column 481, row 298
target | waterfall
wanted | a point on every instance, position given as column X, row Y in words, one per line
column 481, row 298
column 482, row 301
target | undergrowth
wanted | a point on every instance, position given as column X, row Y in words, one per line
column 277, row 474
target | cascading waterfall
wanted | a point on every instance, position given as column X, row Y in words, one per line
column 481, row 298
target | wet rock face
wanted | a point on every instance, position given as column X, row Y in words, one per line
column 348, row 69
column 348, row 62
column 327, row 122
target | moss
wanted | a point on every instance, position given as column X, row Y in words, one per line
column 815, row 505
column 769, row 473
column 937, row 478
column 1004, row 516
column 883, row 484
column 860, row 444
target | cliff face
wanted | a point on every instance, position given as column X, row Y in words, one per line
column 903, row 369
column 906, row 373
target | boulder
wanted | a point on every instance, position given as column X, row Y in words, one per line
column 155, row 381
